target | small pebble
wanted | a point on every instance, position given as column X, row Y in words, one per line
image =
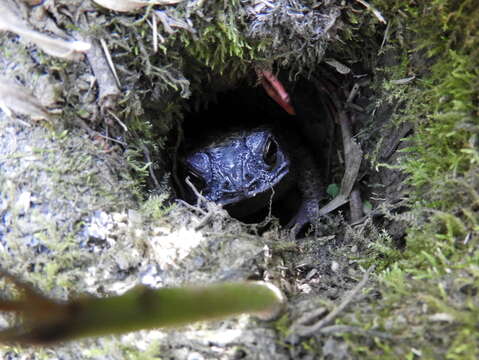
column 195, row 356
column 334, row 266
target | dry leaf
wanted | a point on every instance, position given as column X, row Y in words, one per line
column 132, row 5
column 18, row 99
column 71, row 50
column 340, row 68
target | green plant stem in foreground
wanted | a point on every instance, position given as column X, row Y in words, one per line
column 46, row 321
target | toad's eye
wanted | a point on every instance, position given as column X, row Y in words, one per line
column 270, row 152
column 197, row 180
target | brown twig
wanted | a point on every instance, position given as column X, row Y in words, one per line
column 352, row 151
column 303, row 330
column 205, row 220
column 356, row 205
column 146, row 152
column 211, row 207
column 102, row 65
column 191, row 207
column 390, row 148
column 107, row 85
column 335, row 329
column 109, row 60
column 174, row 159
column 309, row 317
column 375, row 12
column 199, row 196
column 121, row 123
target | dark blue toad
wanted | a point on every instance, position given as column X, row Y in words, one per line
column 248, row 170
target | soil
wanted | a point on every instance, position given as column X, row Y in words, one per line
column 77, row 212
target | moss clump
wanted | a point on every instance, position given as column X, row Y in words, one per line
column 428, row 291
column 49, row 185
column 443, row 100
column 221, row 46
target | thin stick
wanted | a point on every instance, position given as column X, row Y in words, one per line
column 146, row 152
column 111, row 139
column 110, row 61
column 352, row 152
column 349, row 297
column 195, row 191
column 191, row 207
column 204, row 220
column 356, row 205
column 174, row 160
column 376, row 12
column 334, row 329
column 155, row 32
column 122, row 124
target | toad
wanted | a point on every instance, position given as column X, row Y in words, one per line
column 248, row 170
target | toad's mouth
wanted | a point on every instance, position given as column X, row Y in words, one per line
column 254, row 187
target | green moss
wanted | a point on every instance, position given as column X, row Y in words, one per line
column 282, row 325
column 442, row 101
column 155, row 206
column 221, row 47
column 428, row 290
column 68, row 175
